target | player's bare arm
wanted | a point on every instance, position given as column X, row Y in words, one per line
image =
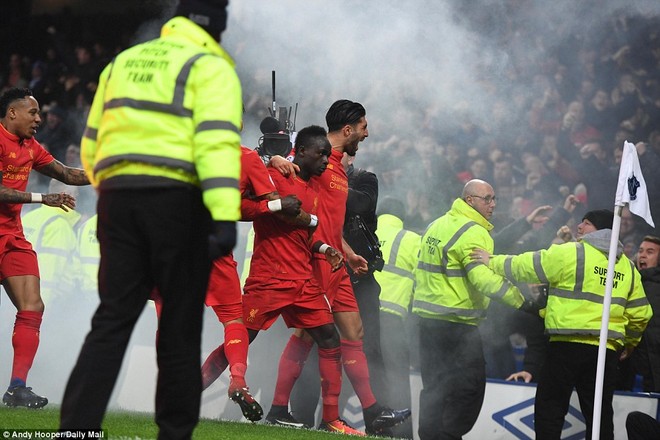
column 283, row 166
column 58, row 200
column 356, row 262
column 334, row 257
column 9, row 195
column 291, row 212
column 70, row 176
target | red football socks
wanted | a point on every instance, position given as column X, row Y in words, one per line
column 25, row 342
column 213, row 366
column 330, row 370
column 291, row 364
column 236, row 349
column 357, row 370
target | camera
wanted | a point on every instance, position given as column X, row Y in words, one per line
column 275, row 144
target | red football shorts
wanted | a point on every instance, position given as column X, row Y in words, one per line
column 17, row 257
column 224, row 290
column 300, row 302
column 337, row 286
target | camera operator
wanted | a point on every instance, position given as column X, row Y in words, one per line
column 360, row 234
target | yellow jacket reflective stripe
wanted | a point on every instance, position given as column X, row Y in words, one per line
column 449, row 285
column 576, row 273
column 400, row 249
column 168, row 112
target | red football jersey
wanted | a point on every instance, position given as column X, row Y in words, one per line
column 333, row 189
column 17, row 160
column 281, row 250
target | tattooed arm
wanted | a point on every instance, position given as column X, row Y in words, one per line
column 70, row 176
column 59, row 200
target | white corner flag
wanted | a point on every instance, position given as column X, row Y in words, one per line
column 631, row 187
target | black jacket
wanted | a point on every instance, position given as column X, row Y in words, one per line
column 646, row 357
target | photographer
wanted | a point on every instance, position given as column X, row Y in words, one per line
column 360, row 233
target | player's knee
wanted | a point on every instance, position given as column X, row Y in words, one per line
column 326, row 336
column 232, row 321
column 31, row 305
column 352, row 333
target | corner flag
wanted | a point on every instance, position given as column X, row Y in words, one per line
column 631, row 187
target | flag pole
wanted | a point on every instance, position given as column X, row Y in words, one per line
column 604, row 324
column 630, row 190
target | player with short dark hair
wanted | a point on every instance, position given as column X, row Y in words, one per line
column 19, row 271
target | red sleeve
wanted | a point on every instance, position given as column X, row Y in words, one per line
column 255, row 183
column 255, row 178
column 253, row 208
column 41, row 156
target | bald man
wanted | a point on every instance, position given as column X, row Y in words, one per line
column 451, row 297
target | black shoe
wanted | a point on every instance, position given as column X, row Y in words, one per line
column 385, row 432
column 23, row 396
column 386, row 418
column 250, row 407
column 281, row 417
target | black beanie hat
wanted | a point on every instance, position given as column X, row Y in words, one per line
column 211, row 15
column 600, row 218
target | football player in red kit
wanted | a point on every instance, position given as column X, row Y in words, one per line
column 19, row 272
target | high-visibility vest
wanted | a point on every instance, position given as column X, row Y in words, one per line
column 576, row 273
column 449, row 285
column 400, row 249
column 89, row 255
column 50, row 231
column 167, row 112
column 247, row 259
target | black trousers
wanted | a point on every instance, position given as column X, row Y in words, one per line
column 367, row 294
column 453, row 379
column 395, row 347
column 640, row 426
column 571, row 365
column 154, row 238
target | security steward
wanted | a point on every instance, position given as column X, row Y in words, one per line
column 576, row 273
column 400, row 248
column 89, row 256
column 162, row 145
column 451, row 296
column 51, row 232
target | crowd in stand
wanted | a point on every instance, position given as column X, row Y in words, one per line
column 570, row 108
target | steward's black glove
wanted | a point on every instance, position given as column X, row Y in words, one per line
column 223, row 239
column 531, row 307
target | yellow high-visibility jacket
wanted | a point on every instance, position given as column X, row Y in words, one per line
column 449, row 285
column 167, row 113
column 50, row 230
column 400, row 249
column 89, row 255
column 576, row 273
